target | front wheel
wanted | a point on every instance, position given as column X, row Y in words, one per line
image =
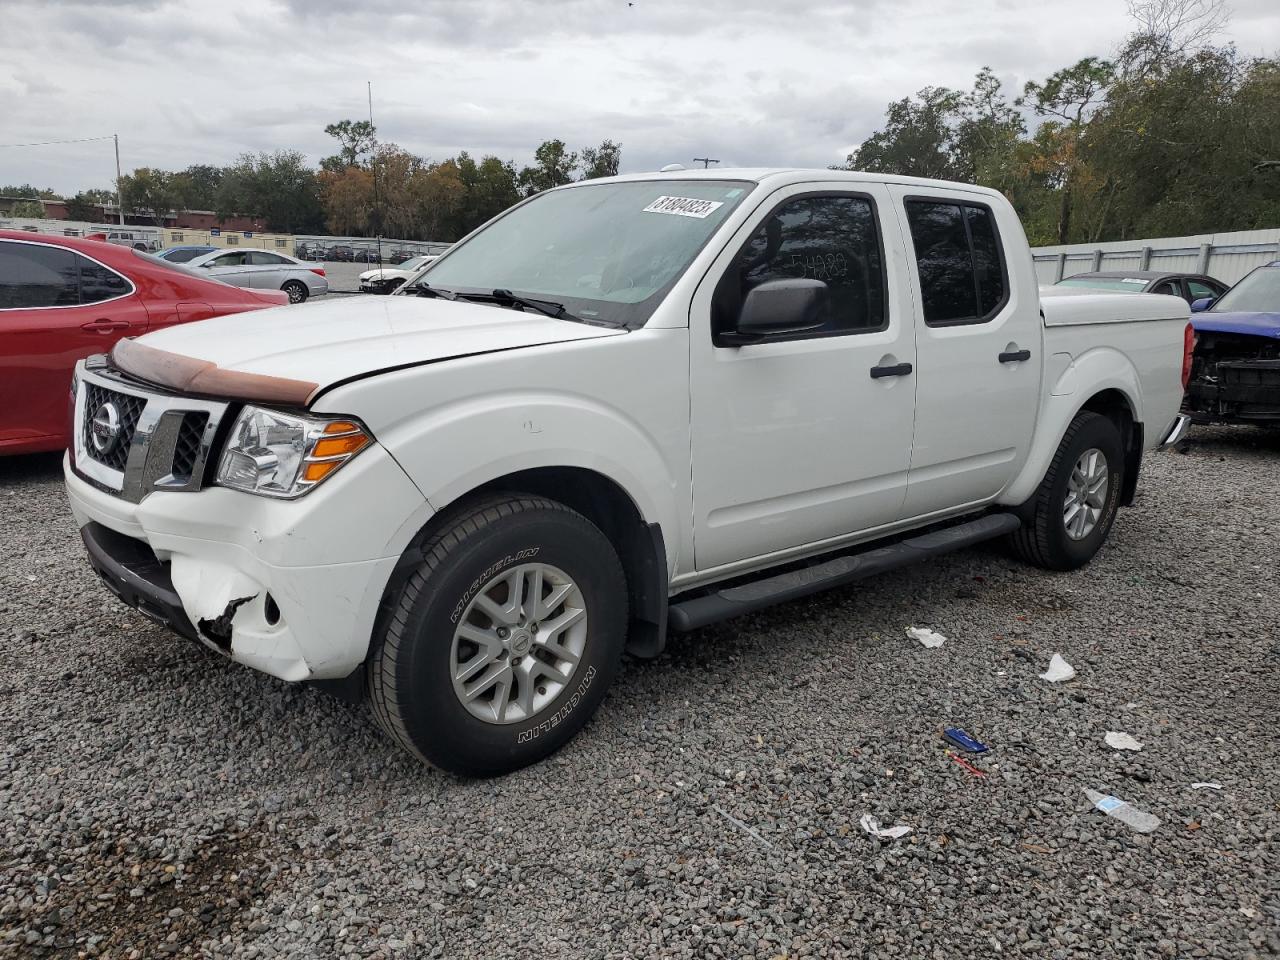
column 503, row 640
column 297, row 291
column 1071, row 512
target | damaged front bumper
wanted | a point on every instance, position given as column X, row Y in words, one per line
column 291, row 588
column 1234, row 379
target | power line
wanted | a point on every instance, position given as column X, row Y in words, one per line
column 49, row 143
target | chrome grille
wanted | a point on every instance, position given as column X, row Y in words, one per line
column 186, row 449
column 163, row 441
column 129, row 409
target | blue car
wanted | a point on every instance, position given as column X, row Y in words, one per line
column 184, row 254
column 1235, row 370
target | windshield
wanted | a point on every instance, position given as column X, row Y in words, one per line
column 607, row 251
column 1117, row 284
column 415, row 263
column 1259, row 292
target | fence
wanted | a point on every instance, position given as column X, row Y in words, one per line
column 363, row 249
column 1225, row 256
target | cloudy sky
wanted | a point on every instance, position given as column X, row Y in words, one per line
column 746, row 81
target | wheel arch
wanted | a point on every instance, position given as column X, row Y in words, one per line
column 640, row 545
column 1114, row 391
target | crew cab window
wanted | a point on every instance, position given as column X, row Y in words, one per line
column 97, row 283
column 35, row 275
column 835, row 239
column 230, row 260
column 1169, row 288
column 959, row 260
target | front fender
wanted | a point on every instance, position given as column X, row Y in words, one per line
column 1086, row 376
column 455, row 448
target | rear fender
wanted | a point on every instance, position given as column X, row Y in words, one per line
column 1091, row 373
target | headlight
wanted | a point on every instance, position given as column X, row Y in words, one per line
column 282, row 455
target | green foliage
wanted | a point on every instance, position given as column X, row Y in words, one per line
column 1170, row 138
column 601, row 161
column 357, row 140
column 27, row 190
column 30, row 209
column 150, row 193
column 279, row 187
column 82, row 207
column 553, row 166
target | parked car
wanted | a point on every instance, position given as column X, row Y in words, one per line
column 1189, row 286
column 62, row 299
column 387, row 279
column 185, row 254
column 366, row 255
column 340, row 254
column 400, row 256
column 696, row 395
column 137, row 239
column 1235, row 373
column 265, row 270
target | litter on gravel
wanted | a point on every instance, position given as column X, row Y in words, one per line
column 872, row 826
column 740, row 825
column 1206, row 786
column 928, row 638
column 1138, row 820
column 1059, row 670
column 1121, row 741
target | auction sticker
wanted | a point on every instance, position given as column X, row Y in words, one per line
column 684, row 207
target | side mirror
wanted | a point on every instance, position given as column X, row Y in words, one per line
column 1201, row 305
column 778, row 307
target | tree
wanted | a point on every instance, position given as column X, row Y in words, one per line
column 356, row 140
column 601, row 161
column 27, row 190
column 1074, row 95
column 30, row 209
column 278, row 187
column 917, row 139
column 83, row 207
column 198, row 186
column 347, row 196
column 150, row 193
column 552, row 166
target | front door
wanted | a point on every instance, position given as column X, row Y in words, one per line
column 56, row 307
column 233, row 268
column 978, row 340
column 804, row 437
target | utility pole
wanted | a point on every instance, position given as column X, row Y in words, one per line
column 373, row 161
column 705, row 161
column 119, row 197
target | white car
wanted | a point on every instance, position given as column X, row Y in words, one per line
column 696, row 395
column 265, row 270
column 387, row 279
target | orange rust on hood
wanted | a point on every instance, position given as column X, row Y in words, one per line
column 189, row 375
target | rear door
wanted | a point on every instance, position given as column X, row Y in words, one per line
column 268, row 270
column 56, row 307
column 796, row 442
column 978, row 339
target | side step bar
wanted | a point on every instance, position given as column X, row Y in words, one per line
column 687, row 615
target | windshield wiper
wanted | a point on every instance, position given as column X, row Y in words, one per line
column 422, row 289
column 547, row 308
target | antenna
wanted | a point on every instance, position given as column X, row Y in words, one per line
column 705, row 161
column 373, row 162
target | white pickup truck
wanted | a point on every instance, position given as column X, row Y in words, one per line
column 622, row 407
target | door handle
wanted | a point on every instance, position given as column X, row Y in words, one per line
column 895, row 370
column 103, row 325
column 1015, row 356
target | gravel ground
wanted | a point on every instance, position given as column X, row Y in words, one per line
column 155, row 799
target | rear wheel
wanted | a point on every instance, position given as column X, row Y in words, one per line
column 296, row 289
column 1072, row 511
column 502, row 642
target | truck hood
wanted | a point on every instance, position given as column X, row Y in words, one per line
column 1254, row 324
column 349, row 337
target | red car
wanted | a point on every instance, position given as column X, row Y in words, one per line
column 62, row 299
